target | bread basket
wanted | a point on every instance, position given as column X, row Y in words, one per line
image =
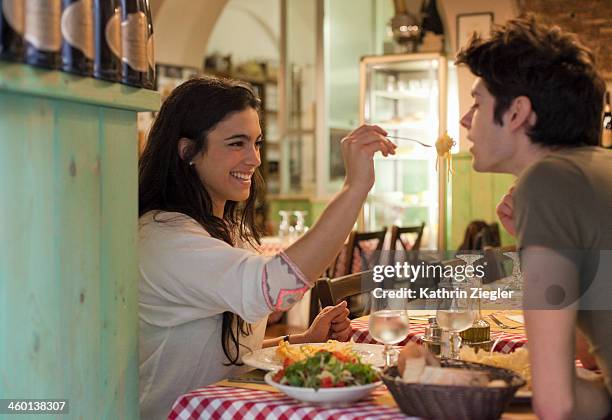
column 454, row 402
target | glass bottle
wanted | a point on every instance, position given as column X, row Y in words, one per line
column 12, row 22
column 107, row 40
column 43, row 36
column 134, row 65
column 77, row 36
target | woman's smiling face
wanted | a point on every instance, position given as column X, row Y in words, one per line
column 230, row 158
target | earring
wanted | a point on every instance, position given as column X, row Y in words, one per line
column 191, row 163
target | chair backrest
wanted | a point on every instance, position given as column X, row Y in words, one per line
column 480, row 234
column 396, row 236
column 360, row 244
column 332, row 291
column 495, row 268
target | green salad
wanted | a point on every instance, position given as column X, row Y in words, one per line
column 327, row 369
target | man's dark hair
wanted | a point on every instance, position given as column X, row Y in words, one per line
column 550, row 67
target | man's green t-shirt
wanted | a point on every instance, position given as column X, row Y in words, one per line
column 564, row 203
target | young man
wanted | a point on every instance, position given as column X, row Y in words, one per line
column 537, row 114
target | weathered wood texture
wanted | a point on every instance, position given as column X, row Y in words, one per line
column 474, row 196
column 68, row 255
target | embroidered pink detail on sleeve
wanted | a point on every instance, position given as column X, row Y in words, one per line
column 296, row 270
column 282, row 283
column 265, row 288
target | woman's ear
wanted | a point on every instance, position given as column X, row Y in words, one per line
column 184, row 146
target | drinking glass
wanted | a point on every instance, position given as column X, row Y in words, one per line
column 389, row 326
column 300, row 224
column 517, row 276
column 284, row 229
column 455, row 313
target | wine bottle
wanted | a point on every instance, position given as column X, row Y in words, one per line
column 107, row 40
column 134, row 65
column 77, row 36
column 43, row 37
column 150, row 80
column 606, row 135
column 12, row 22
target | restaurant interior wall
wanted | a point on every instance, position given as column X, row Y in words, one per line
column 366, row 26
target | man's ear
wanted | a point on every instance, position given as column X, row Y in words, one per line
column 520, row 113
column 184, row 146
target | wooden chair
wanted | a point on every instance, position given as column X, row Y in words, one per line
column 479, row 234
column 332, row 291
column 396, row 236
column 356, row 244
column 497, row 266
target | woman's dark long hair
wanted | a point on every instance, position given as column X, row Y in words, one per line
column 167, row 183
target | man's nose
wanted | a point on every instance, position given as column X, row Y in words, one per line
column 466, row 120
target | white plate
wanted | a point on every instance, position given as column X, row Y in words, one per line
column 266, row 358
column 324, row 395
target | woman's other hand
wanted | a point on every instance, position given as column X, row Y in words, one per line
column 505, row 212
column 331, row 323
column 358, row 149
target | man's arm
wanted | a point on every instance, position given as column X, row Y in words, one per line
column 550, row 299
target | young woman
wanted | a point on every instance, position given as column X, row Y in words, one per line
column 204, row 292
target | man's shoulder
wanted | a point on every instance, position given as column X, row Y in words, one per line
column 566, row 170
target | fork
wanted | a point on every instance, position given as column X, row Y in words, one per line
column 409, row 139
column 502, row 325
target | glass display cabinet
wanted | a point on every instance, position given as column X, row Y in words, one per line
column 406, row 95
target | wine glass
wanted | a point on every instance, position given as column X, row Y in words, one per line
column 389, row 326
column 300, row 224
column 516, row 283
column 284, row 229
column 455, row 314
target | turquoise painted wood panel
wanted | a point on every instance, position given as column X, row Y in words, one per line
column 474, row 195
column 68, row 254
column 118, row 257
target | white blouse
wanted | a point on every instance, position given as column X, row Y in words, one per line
column 187, row 279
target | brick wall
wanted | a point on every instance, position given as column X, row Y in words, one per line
column 591, row 20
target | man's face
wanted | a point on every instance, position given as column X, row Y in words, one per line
column 493, row 148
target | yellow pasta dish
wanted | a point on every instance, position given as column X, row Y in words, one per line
column 289, row 354
column 443, row 148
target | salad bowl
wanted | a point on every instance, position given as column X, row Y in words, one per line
column 324, row 395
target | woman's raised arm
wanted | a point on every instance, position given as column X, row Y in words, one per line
column 314, row 251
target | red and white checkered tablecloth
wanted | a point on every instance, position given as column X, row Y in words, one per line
column 220, row 402
column 507, row 344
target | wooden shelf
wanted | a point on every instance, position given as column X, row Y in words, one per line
column 24, row 79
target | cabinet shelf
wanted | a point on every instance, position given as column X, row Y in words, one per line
column 25, row 79
column 403, row 94
column 417, row 126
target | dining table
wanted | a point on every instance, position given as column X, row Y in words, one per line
column 507, row 337
column 236, row 400
column 246, row 397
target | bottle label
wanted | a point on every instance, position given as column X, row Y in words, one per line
column 151, row 52
column 42, row 24
column 77, row 26
column 134, row 41
column 112, row 32
column 13, row 13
